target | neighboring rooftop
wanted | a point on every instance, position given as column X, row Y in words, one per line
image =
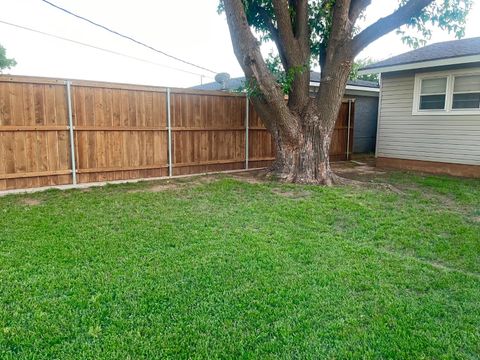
column 439, row 51
column 230, row 85
column 236, row 83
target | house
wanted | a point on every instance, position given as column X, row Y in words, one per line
column 364, row 93
column 429, row 111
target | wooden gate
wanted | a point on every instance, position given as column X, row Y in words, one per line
column 343, row 133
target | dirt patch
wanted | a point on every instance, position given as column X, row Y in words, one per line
column 175, row 184
column 247, row 179
column 357, row 168
column 30, row 202
column 200, row 180
column 251, row 177
column 135, row 191
column 292, row 194
column 157, row 188
column 447, row 202
column 345, row 165
column 165, row 187
column 363, row 170
column 476, row 219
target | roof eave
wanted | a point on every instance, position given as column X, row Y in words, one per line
column 362, row 88
column 352, row 87
column 422, row 64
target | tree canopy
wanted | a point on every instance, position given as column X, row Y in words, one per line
column 448, row 15
column 357, row 65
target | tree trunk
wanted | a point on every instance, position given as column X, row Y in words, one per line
column 306, row 161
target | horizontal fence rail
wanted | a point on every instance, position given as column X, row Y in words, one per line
column 56, row 132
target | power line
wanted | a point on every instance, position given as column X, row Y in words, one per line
column 102, row 49
column 127, row 37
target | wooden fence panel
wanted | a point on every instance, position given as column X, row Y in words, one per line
column 208, row 132
column 119, row 134
column 34, row 145
column 261, row 147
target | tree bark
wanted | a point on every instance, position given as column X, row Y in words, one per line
column 308, row 161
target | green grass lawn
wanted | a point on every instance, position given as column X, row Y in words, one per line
column 230, row 269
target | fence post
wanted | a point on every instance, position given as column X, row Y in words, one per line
column 169, row 128
column 348, row 127
column 71, row 130
column 247, row 120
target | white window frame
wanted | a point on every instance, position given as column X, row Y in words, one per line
column 450, row 75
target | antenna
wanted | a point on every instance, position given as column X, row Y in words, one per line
column 222, row 79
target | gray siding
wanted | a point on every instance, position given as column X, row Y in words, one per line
column 444, row 138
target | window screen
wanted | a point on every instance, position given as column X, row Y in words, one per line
column 432, row 95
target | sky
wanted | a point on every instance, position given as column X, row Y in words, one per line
column 188, row 29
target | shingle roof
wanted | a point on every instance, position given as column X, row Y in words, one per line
column 231, row 85
column 236, row 83
column 437, row 51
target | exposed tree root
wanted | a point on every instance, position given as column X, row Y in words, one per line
column 332, row 180
column 338, row 180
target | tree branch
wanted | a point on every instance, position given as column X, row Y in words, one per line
column 339, row 40
column 300, row 93
column 284, row 25
column 337, row 57
column 247, row 51
column 273, row 33
column 301, row 22
column 387, row 24
column 340, row 23
column 356, row 8
column 296, row 50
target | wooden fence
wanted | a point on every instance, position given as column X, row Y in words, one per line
column 119, row 131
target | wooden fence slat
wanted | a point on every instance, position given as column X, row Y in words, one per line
column 118, row 128
column 211, row 162
column 123, row 168
column 207, row 128
column 33, row 128
column 35, row 174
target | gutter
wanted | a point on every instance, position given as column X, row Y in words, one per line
column 421, row 64
column 352, row 87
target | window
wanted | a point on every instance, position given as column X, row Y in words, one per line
column 466, row 92
column 443, row 93
column 433, row 94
